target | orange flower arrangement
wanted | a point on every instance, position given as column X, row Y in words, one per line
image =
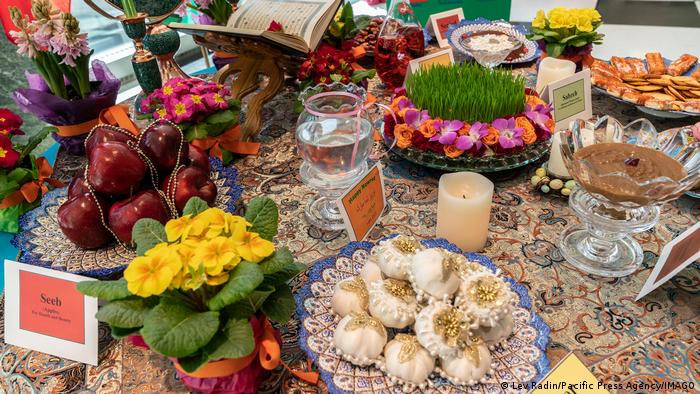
column 529, row 135
column 452, row 151
column 492, row 137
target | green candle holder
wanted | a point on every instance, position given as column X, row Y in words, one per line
column 144, row 62
column 164, row 42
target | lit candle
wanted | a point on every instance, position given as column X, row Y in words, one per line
column 556, row 166
column 552, row 70
column 464, row 209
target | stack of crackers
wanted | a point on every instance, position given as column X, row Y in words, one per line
column 653, row 84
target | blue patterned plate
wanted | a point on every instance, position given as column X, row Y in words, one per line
column 521, row 358
column 457, row 31
column 41, row 242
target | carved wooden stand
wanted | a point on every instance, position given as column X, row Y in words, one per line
column 254, row 59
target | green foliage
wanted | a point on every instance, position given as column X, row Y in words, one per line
column 195, row 206
column 108, row 290
column 175, row 330
column 147, row 233
column 467, row 92
column 244, row 279
column 342, row 26
column 129, row 313
column 557, row 40
column 279, row 306
column 263, row 215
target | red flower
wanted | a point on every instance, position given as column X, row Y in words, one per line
column 8, row 155
column 8, row 120
column 275, row 26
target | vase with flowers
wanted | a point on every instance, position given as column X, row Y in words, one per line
column 205, row 112
column 24, row 178
column 567, row 33
column 203, row 291
column 66, row 93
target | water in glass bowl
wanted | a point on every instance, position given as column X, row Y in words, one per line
column 327, row 144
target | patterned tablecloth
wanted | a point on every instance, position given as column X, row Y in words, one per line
column 657, row 339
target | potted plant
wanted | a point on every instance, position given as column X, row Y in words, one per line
column 24, row 179
column 60, row 51
column 201, row 292
column 214, row 12
column 567, row 33
column 204, row 111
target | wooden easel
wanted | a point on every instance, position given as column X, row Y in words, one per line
column 255, row 58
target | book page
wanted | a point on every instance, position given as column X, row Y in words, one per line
column 298, row 17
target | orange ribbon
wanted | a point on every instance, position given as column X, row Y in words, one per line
column 30, row 190
column 229, row 140
column 268, row 352
column 117, row 115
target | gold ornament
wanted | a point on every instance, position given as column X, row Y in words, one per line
column 357, row 285
column 485, row 291
column 450, row 323
column 406, row 245
column 452, row 262
column 409, row 347
column 399, row 289
column 472, row 351
column 361, row 320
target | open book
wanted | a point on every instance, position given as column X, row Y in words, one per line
column 303, row 21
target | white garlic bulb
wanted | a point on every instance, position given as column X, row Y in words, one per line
column 469, row 366
column 407, row 360
column 394, row 255
column 433, row 274
column 487, row 297
column 393, row 302
column 350, row 295
column 443, row 329
column 359, row 338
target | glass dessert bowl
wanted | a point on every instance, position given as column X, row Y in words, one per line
column 490, row 48
column 625, row 174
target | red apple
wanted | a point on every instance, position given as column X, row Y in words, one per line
column 103, row 134
column 115, row 168
column 161, row 143
column 81, row 221
column 125, row 213
column 198, row 158
column 77, row 186
column 190, row 182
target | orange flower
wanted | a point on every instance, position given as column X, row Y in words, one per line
column 529, row 135
column 452, row 151
column 399, row 103
column 550, row 125
column 403, row 135
column 465, row 129
column 428, row 129
column 492, row 137
column 533, row 101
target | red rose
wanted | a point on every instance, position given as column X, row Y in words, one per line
column 389, row 125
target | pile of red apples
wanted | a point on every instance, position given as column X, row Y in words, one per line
column 120, row 183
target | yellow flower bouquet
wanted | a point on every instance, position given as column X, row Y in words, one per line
column 203, row 286
column 567, row 32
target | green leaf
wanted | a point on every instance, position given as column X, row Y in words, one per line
column 127, row 313
column 175, row 330
column 34, row 141
column 550, row 33
column 277, row 261
column 263, row 215
column 226, row 157
column 359, row 75
column 9, row 219
column 193, row 362
column 244, row 279
column 284, row 275
column 147, row 233
column 234, row 341
column 535, row 37
column 195, row 206
column 109, row 290
column 243, row 309
column 279, row 306
column 197, row 131
column 121, row 332
column 221, row 117
column 554, row 50
column 579, row 42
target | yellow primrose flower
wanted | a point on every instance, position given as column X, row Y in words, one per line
column 151, row 275
column 539, row 21
column 217, row 280
column 197, row 229
column 190, row 282
column 236, row 225
column 176, row 228
column 156, row 249
column 560, row 17
column 584, row 24
column 216, row 254
column 592, row 14
column 253, row 248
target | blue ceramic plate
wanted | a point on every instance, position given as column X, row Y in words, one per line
column 41, row 242
column 520, row 358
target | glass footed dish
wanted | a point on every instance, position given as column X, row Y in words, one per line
column 621, row 188
column 490, row 49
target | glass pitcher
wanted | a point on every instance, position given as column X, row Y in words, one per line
column 400, row 40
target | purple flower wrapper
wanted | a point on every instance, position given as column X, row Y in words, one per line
column 38, row 100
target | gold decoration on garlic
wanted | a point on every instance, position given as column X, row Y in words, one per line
column 399, row 289
column 451, row 324
column 406, row 245
column 357, row 285
column 485, row 291
column 361, row 320
column 452, row 262
column 409, row 347
column 471, row 351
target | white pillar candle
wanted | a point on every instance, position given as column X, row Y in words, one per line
column 464, row 209
column 556, row 166
column 552, row 70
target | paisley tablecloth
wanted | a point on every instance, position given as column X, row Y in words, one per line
column 620, row 340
